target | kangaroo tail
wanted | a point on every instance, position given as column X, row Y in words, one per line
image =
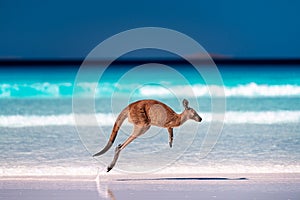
column 122, row 116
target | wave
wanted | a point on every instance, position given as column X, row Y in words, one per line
column 270, row 117
column 248, row 90
column 61, row 90
column 53, row 120
column 25, row 171
column 78, row 171
column 36, row 90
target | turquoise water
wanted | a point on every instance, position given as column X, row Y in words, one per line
column 39, row 137
column 238, row 82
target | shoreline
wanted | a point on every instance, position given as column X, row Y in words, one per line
column 154, row 186
column 114, row 177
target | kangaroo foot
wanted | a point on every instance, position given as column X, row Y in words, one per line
column 117, row 152
column 109, row 168
column 170, row 144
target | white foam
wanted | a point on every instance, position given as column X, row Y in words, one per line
column 107, row 89
column 248, row 90
column 54, row 120
column 269, row 117
column 254, row 90
column 48, row 171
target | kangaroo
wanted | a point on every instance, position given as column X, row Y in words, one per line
column 144, row 113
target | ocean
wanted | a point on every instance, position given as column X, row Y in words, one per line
column 40, row 137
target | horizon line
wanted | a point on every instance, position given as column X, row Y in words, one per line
column 6, row 62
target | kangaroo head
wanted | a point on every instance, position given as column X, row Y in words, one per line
column 190, row 113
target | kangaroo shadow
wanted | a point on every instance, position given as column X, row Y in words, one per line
column 107, row 193
column 185, row 179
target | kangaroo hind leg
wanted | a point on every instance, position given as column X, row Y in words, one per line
column 137, row 131
column 170, row 130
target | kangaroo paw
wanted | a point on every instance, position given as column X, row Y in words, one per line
column 117, row 152
column 109, row 168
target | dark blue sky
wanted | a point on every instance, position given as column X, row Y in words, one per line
column 51, row 29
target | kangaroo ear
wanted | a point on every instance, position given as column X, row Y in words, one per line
column 185, row 104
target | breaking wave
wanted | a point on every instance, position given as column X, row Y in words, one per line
column 248, row 90
column 61, row 90
column 82, row 171
column 269, row 117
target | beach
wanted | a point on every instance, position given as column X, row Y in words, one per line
column 47, row 154
column 153, row 186
column 181, row 100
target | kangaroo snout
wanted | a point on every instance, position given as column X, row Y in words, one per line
column 198, row 119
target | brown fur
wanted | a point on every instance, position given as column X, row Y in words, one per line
column 140, row 114
column 144, row 113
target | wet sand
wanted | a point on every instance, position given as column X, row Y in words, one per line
column 108, row 186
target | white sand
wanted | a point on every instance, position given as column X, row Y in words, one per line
column 206, row 186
